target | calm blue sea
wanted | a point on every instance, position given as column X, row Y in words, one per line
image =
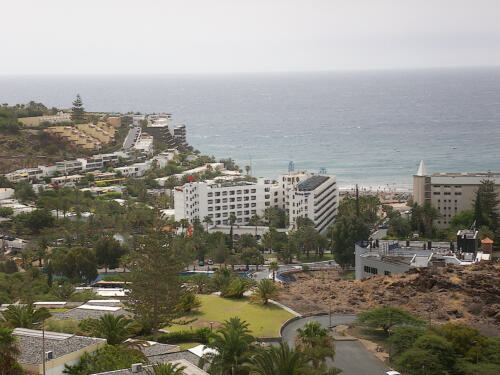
column 370, row 128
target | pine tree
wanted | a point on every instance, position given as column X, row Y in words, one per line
column 485, row 205
column 77, row 111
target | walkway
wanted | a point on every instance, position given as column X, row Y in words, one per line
column 350, row 356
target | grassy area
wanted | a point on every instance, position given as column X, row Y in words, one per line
column 265, row 321
column 314, row 258
column 188, row 345
column 64, row 326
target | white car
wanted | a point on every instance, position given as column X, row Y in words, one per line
column 392, row 373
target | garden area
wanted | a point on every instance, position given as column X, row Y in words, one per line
column 264, row 320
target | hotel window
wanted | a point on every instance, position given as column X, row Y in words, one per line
column 210, row 208
column 238, row 192
column 387, row 273
column 247, row 212
column 253, row 190
column 224, row 200
column 447, row 193
column 247, row 205
column 238, row 199
column 458, row 193
column 225, row 214
column 254, row 197
column 231, row 199
column 267, row 196
column 217, row 193
column 217, row 201
column 240, row 213
column 224, row 207
column 268, row 203
column 247, row 191
column 247, row 198
column 232, row 207
column 210, row 194
column 254, row 204
column 231, row 192
column 254, row 211
column 437, row 193
column 224, row 193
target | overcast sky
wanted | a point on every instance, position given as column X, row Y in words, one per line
column 198, row 36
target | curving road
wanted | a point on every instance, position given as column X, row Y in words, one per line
column 350, row 356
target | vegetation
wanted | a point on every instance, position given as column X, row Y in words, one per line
column 108, row 358
column 24, row 316
column 155, row 290
column 115, row 329
column 8, row 352
column 265, row 290
column 386, row 317
column 448, row 349
column 77, row 111
column 263, row 320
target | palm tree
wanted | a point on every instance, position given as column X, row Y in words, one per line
column 43, row 243
column 24, row 316
column 278, row 360
column 8, row 351
column 115, row 329
column 247, row 169
column 207, row 220
column 232, row 344
column 315, row 343
column 166, row 369
column 266, row 289
column 255, row 221
column 232, row 220
column 273, row 266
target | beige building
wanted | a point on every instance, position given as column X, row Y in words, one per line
column 450, row 193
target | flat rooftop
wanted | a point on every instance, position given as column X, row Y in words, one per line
column 312, row 183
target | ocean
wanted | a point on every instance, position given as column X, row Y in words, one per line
column 368, row 128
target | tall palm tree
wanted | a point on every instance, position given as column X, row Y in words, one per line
column 315, row 343
column 273, row 266
column 115, row 329
column 232, row 344
column 207, row 220
column 8, row 351
column 232, row 220
column 278, row 360
column 266, row 289
column 24, row 316
column 166, row 369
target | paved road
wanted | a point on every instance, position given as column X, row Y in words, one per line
column 350, row 356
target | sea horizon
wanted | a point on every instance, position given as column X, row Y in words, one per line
column 369, row 127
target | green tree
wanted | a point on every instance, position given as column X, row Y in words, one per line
column 77, row 111
column 35, row 220
column 386, row 317
column 275, row 217
column 463, row 220
column 344, row 234
column 115, row 329
column 402, row 339
column 485, row 205
column 8, row 352
column 189, row 302
column 466, row 341
column 273, row 266
column 315, row 343
column 439, row 347
column 155, row 289
column 415, row 361
column 108, row 252
column 6, row 211
column 24, row 316
column 24, row 192
column 207, row 220
column 232, row 343
column 78, row 263
column 265, row 290
column 278, row 360
column 166, row 369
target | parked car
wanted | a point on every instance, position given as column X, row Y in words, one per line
column 201, row 264
column 392, row 372
column 210, row 262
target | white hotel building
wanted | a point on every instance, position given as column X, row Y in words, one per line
column 315, row 197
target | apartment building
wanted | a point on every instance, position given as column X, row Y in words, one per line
column 315, row 198
column 219, row 200
column 449, row 193
column 162, row 128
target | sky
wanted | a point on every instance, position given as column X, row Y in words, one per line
column 219, row 36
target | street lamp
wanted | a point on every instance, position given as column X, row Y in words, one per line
column 42, row 323
column 211, row 324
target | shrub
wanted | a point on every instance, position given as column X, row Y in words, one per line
column 201, row 335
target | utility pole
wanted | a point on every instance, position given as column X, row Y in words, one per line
column 43, row 346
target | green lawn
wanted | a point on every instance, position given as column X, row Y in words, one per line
column 187, row 345
column 264, row 320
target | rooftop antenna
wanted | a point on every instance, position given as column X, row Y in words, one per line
column 291, row 167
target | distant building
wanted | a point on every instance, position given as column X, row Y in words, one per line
column 162, row 128
column 316, row 198
column 60, row 349
column 219, row 200
column 449, row 193
column 393, row 257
